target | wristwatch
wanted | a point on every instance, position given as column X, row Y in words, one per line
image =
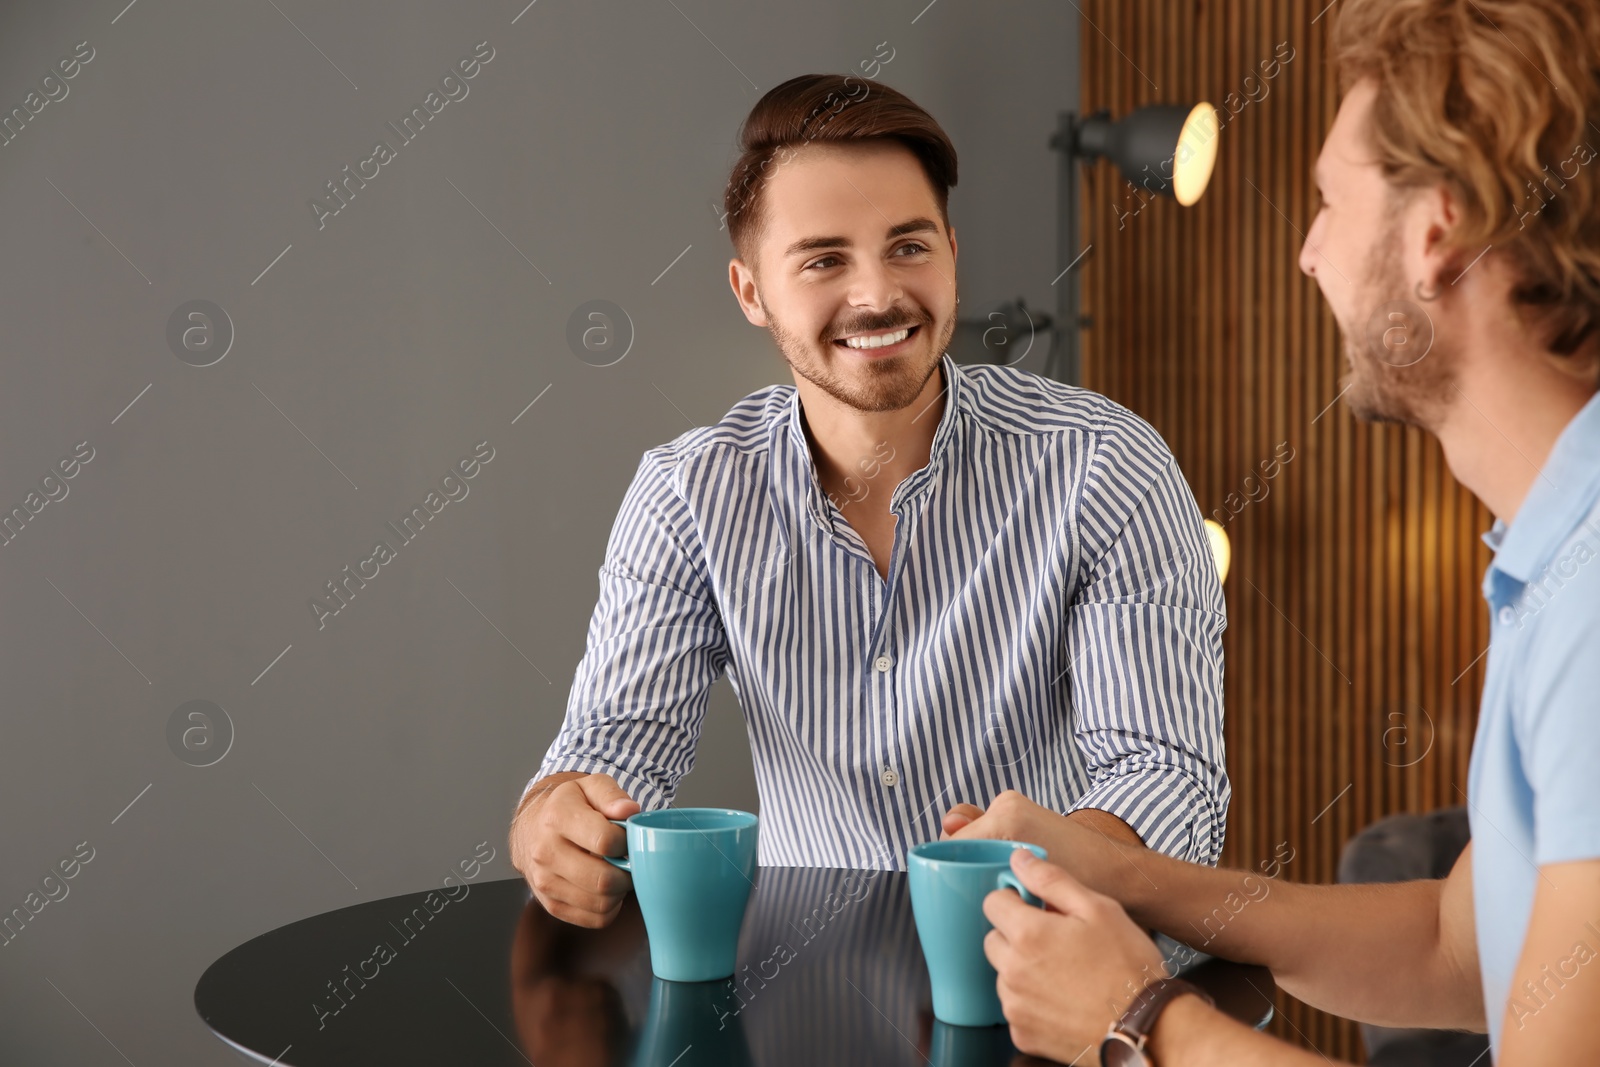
column 1124, row 1042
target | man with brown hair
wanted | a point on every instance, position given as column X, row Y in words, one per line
column 927, row 582
column 1456, row 113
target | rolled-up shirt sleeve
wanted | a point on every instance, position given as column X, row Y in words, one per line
column 1145, row 644
column 655, row 645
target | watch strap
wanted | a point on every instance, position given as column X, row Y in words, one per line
column 1140, row 1018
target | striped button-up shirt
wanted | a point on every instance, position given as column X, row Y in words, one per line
column 1051, row 622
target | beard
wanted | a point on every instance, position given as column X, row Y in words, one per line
column 1387, row 380
column 890, row 383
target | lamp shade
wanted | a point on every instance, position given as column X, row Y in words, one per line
column 1163, row 148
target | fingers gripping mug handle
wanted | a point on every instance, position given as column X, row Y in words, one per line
column 623, row 861
column 1008, row 880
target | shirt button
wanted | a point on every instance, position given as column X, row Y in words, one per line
column 889, row 777
column 883, row 663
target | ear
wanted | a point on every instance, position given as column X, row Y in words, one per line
column 952, row 244
column 1436, row 214
column 743, row 282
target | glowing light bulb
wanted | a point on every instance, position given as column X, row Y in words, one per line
column 1221, row 548
column 1196, row 156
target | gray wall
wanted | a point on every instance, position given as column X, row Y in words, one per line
column 378, row 750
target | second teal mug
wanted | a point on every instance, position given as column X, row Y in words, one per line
column 949, row 880
column 693, row 869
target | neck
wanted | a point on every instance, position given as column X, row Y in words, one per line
column 862, row 455
column 1503, row 422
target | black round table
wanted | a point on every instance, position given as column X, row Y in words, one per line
column 830, row 972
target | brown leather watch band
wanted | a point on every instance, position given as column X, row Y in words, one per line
column 1133, row 1029
column 1140, row 1018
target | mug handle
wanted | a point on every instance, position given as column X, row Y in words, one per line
column 1009, row 880
column 623, row 862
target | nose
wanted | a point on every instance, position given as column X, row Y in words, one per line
column 1308, row 250
column 875, row 287
column 1308, row 263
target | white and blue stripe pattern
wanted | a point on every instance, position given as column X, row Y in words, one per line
column 1051, row 622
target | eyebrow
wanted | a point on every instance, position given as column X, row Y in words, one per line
column 817, row 244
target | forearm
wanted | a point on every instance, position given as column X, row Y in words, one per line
column 1366, row 952
column 1190, row 1034
column 1108, row 824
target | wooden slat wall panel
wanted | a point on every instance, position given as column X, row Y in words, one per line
column 1354, row 617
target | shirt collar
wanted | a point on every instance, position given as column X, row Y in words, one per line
column 1560, row 496
column 816, row 504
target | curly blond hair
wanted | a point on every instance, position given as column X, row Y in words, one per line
column 1499, row 101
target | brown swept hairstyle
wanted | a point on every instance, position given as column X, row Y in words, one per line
column 1498, row 101
column 826, row 109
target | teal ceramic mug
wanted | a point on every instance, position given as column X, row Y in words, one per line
column 970, row 1046
column 693, row 869
column 949, row 880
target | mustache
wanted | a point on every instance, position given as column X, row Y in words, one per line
column 877, row 326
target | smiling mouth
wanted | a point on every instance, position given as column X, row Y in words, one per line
column 875, row 343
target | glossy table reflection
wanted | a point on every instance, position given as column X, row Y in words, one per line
column 830, row 973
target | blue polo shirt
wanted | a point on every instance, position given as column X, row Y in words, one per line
column 1534, row 783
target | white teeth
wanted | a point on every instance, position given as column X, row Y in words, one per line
column 878, row 341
